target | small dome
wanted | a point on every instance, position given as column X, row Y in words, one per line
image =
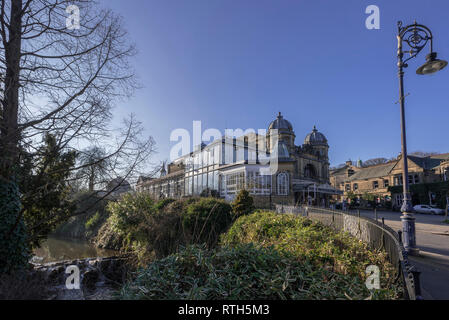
column 315, row 138
column 280, row 124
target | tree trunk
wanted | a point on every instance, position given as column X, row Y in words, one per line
column 91, row 179
column 9, row 137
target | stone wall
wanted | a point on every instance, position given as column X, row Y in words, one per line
column 358, row 228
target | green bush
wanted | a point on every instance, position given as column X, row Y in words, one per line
column 163, row 203
column 108, row 238
column 206, row 219
column 128, row 217
column 93, row 221
column 245, row 272
column 14, row 247
column 311, row 242
column 129, row 212
column 136, row 226
column 243, row 204
column 180, row 206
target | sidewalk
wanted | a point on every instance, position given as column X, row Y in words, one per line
column 434, row 275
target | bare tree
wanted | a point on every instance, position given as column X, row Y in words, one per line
column 59, row 80
column 374, row 162
column 94, row 166
column 64, row 81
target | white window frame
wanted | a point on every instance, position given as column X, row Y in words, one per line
column 283, row 183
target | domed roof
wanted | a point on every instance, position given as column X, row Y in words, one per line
column 315, row 138
column 281, row 151
column 281, row 124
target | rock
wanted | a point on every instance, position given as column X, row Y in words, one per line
column 55, row 274
column 113, row 270
column 94, row 262
column 70, row 295
column 90, row 278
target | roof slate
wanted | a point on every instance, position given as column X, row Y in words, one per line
column 428, row 162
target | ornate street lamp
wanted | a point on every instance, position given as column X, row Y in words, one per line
column 416, row 36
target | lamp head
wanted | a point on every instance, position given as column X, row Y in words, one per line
column 432, row 65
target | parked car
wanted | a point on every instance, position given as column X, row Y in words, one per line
column 428, row 209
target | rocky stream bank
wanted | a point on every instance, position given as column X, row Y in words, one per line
column 99, row 278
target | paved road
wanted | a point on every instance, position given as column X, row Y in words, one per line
column 432, row 238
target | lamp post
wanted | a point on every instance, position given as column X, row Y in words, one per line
column 416, row 37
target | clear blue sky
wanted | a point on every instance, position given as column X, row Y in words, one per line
column 236, row 63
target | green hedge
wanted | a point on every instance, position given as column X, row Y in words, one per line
column 136, row 224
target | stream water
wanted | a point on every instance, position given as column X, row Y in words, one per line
column 57, row 249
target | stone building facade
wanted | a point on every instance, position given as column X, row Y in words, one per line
column 340, row 175
column 443, row 170
column 379, row 178
column 230, row 164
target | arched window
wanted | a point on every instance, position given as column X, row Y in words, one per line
column 309, row 171
column 283, row 184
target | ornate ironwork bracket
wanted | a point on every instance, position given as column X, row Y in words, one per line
column 416, row 36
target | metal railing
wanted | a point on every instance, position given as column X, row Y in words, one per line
column 376, row 234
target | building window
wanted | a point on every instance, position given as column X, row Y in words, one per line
column 398, row 180
column 258, row 184
column 234, row 183
column 282, row 182
column 348, row 187
column 375, row 184
column 417, row 179
column 386, row 183
column 356, row 187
